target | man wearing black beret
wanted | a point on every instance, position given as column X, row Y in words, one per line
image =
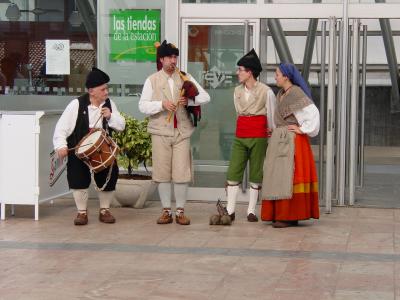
column 81, row 115
column 170, row 128
column 255, row 106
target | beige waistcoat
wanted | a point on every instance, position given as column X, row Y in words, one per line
column 158, row 123
column 256, row 103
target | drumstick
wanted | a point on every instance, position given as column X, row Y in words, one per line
column 70, row 149
column 171, row 112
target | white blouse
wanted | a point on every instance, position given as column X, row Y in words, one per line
column 308, row 119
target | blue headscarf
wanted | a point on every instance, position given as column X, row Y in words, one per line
column 291, row 72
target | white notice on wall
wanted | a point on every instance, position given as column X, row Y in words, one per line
column 57, row 57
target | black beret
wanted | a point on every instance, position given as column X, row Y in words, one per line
column 96, row 77
column 251, row 61
column 167, row 49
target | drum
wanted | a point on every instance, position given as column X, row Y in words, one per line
column 97, row 150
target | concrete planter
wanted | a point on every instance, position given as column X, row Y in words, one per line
column 133, row 192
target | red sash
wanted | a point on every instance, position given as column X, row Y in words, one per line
column 251, row 126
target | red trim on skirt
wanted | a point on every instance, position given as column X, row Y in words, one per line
column 304, row 203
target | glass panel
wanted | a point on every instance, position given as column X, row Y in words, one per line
column 219, row 1
column 213, row 51
column 382, row 122
column 25, row 25
column 304, row 1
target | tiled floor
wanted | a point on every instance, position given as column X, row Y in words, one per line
column 353, row 253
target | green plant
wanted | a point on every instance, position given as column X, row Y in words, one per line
column 134, row 143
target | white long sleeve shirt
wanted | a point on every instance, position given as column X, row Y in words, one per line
column 308, row 119
column 66, row 124
column 270, row 106
column 149, row 107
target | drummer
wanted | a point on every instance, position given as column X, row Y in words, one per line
column 91, row 110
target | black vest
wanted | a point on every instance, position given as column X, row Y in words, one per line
column 82, row 121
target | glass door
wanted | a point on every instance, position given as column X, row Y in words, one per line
column 212, row 50
column 374, row 152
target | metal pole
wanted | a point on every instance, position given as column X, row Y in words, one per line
column 353, row 112
column 322, row 110
column 246, row 49
column 246, row 37
column 342, row 111
column 308, row 51
column 330, row 116
column 363, row 88
column 337, row 111
column 278, row 36
column 390, row 50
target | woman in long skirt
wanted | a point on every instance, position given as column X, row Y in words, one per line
column 290, row 184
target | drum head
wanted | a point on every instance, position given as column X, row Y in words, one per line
column 89, row 141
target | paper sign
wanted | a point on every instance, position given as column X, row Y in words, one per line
column 57, row 57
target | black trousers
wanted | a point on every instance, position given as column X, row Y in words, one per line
column 78, row 175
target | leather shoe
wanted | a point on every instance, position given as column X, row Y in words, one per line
column 282, row 224
column 166, row 217
column 81, row 219
column 252, row 217
column 105, row 216
column 180, row 217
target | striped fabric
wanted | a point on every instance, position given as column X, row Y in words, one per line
column 304, row 203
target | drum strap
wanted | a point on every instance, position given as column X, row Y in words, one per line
column 107, row 179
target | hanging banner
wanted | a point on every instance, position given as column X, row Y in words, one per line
column 133, row 33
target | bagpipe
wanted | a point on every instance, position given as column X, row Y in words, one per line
column 188, row 90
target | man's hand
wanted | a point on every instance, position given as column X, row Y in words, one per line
column 105, row 111
column 169, row 105
column 62, row 152
column 295, row 129
column 183, row 101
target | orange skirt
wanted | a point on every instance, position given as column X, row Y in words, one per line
column 304, row 203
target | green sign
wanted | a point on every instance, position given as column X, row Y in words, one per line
column 133, row 34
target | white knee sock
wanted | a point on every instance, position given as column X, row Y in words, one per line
column 180, row 190
column 164, row 190
column 81, row 199
column 232, row 191
column 252, row 200
column 105, row 198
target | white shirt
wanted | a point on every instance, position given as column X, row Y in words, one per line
column 149, row 107
column 66, row 124
column 270, row 105
column 308, row 119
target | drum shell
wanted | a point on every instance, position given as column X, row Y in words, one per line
column 101, row 154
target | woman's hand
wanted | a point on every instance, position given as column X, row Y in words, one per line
column 295, row 129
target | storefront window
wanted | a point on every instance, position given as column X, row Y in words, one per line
column 123, row 47
column 218, row 1
column 25, row 27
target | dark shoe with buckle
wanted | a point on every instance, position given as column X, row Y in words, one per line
column 81, row 218
column 166, row 217
column 180, row 217
column 252, row 217
column 105, row 216
column 282, row 224
column 232, row 216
